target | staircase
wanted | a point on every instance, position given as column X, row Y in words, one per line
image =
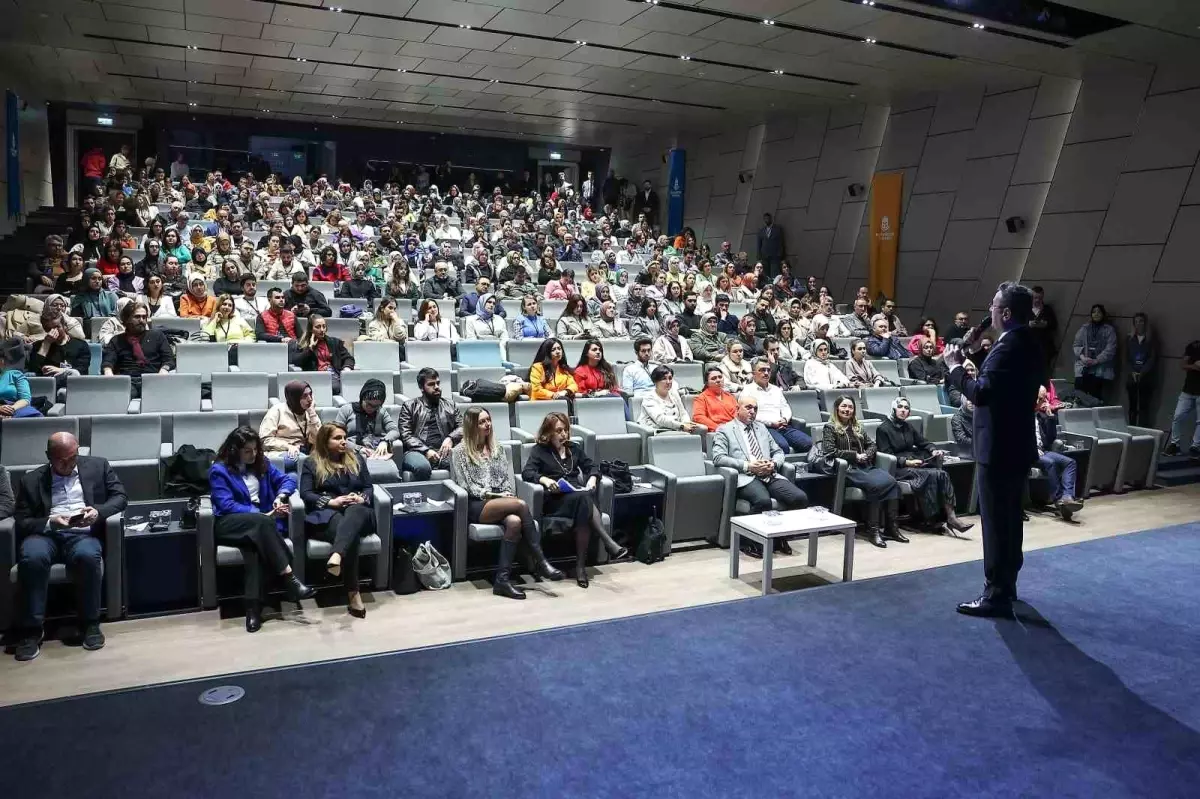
column 1177, row 470
column 27, row 243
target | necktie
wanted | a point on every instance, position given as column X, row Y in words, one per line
column 755, row 449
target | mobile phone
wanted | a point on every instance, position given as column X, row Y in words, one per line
column 76, row 520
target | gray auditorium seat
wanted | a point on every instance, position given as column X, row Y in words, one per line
column 132, row 444
column 89, row 395
column 201, row 430
column 202, row 359
column 377, row 356
column 240, row 391
column 172, row 393
column 378, row 544
column 606, row 434
column 23, row 441
column 1106, row 463
column 321, row 384
column 699, row 496
column 1143, row 445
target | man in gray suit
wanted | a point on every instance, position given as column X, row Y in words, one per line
column 745, row 446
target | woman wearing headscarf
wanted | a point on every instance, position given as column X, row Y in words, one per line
column 706, row 301
column 843, row 437
column 1095, row 349
column 94, row 300
column 819, row 372
column 290, row 427
column 359, row 286
column 646, row 324
column 620, row 288
column 706, row 342
column 484, row 324
column 56, row 306
column 603, row 293
column 670, row 347
column 125, row 283
column 196, row 301
column 748, row 335
column 819, row 333
column 917, row 463
column 925, row 367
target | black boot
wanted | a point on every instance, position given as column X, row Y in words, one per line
column 891, row 528
column 541, row 566
column 873, row 526
column 296, row 590
column 501, row 586
column 253, row 616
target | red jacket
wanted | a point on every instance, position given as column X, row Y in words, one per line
column 94, row 163
column 711, row 410
column 589, row 378
column 337, row 274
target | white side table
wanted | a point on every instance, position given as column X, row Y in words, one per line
column 789, row 524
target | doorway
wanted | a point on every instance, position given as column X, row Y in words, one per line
column 553, row 168
column 82, row 140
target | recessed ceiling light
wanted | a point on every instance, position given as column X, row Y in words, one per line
column 778, row 72
column 335, row 116
column 192, row 47
column 192, row 105
column 402, row 70
column 685, row 58
column 768, row 22
column 868, row 2
column 465, row 27
column 336, row 9
column 302, row 59
column 581, row 44
column 978, row 26
column 869, row 41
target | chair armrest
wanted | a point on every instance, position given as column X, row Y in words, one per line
column 659, row 478
column 206, row 543
column 383, row 528
column 1144, row 431
column 1114, row 433
column 604, row 496
column 789, row 471
column 839, row 486
column 8, row 556
column 508, row 365
column 524, row 436
column 948, row 409
column 114, row 562
column 57, row 409
column 458, row 560
column 888, row 461
column 588, row 437
column 1077, row 439
column 640, row 429
column 297, row 534
column 879, row 414
column 135, row 406
column 533, row 494
column 711, row 468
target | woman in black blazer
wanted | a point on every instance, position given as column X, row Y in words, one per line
column 317, row 351
column 336, row 488
column 556, row 457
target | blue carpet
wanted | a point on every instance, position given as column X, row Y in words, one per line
column 876, row 688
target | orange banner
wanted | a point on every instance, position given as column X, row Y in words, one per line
column 886, row 189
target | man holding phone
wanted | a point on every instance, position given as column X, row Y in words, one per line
column 61, row 510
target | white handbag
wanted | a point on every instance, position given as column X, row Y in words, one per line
column 431, row 567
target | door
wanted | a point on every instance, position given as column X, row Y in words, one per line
column 109, row 142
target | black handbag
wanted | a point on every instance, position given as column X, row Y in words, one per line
column 618, row 472
column 404, row 578
column 652, row 544
column 185, row 474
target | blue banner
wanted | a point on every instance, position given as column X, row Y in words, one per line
column 12, row 153
column 676, row 184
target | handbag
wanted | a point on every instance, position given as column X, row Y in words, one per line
column 404, row 577
column 185, row 474
column 618, row 472
column 652, row 543
column 431, row 566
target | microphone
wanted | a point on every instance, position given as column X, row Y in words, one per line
column 984, row 323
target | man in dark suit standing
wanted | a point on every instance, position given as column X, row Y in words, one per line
column 1005, row 395
column 770, row 245
column 647, row 203
column 60, row 515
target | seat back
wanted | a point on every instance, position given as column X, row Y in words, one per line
column 345, row 329
column 1078, row 420
column 522, row 351
column 191, row 324
column 203, row 359
column 501, row 421
column 127, row 438
column 880, row 399
column 1111, row 418
column 921, row 398
column 618, row 350
column 381, row 356
column 94, row 326
column 42, row 387
column 428, row 353
column 89, row 395
column 322, row 386
column 602, row 415
column 888, row 368
column 529, row 415
column 97, row 353
column 688, row 375
column 447, row 309
column 552, row 310
column 203, row 430
column 830, row 395
column 326, row 287
column 480, row 353
column 683, row 456
column 263, row 356
column 170, row 393
column 353, row 381
column 240, row 391
column 25, row 439
column 572, row 350
column 805, row 405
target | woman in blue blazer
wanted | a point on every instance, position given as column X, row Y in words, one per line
column 250, row 503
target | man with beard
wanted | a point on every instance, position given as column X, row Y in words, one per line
column 139, row 350
column 430, row 426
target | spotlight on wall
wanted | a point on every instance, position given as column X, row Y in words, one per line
column 745, row 176
column 1014, row 223
column 856, row 189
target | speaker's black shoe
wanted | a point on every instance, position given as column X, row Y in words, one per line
column 987, row 607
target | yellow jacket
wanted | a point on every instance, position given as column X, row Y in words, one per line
column 541, row 389
column 232, row 330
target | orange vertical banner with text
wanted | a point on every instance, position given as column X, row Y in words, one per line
column 886, row 189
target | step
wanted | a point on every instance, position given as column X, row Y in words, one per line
column 1178, row 477
column 1170, row 462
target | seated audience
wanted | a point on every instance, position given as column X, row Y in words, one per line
column 554, row 459
column 336, row 487
column 714, row 406
column 226, row 325
column 844, row 438
column 707, row 342
column 860, row 371
column 819, row 371
column 303, row 300
column 883, row 343
column 56, row 523
column 736, row 367
column 139, row 350
column 751, row 343
column 58, row 355
column 486, row 323
column 820, row 332
column 387, row 325
column 573, row 324
column 1060, row 469
column 484, row 470
column 158, row 302
column 197, row 302
column 230, row 280
column 250, row 510
column 773, row 411
column 594, row 376
column 93, row 301
column 960, row 328
column 925, row 367
column 290, row 427
column 562, row 286
column 888, row 313
column 371, row 430
column 782, row 373
column 928, row 331
column 727, row 322
column 247, row 302
column 430, row 326
column 790, row 347
column 646, row 324
column 317, row 351
column 744, row 445
column 662, row 409
column 530, row 323
column 550, row 376
column 276, row 324
column 671, row 347
column 856, row 324
column 71, row 281
column 606, row 323
column 430, row 426
column 359, row 286
column 470, row 301
column 919, row 465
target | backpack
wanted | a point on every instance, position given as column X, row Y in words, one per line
column 652, row 543
column 483, row 391
column 350, row 312
column 618, row 472
column 185, row 474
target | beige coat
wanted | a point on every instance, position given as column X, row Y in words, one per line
column 281, row 429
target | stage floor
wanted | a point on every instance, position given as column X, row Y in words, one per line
column 871, row 688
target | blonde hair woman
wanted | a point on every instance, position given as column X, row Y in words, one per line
column 485, row 471
column 226, row 324
column 337, row 492
column 387, row 324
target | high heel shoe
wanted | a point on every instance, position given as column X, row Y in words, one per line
column 296, row 590
column 621, row 554
column 581, row 576
column 253, row 617
column 358, row 613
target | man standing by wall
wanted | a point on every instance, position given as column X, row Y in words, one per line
column 770, row 245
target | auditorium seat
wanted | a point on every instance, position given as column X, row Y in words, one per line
column 699, row 496
column 1142, row 447
column 377, row 545
column 132, row 444
column 240, row 391
column 201, row 358
column 377, row 355
column 176, row 392
column 606, row 434
column 89, row 395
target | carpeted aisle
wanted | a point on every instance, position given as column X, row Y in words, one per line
column 875, row 688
